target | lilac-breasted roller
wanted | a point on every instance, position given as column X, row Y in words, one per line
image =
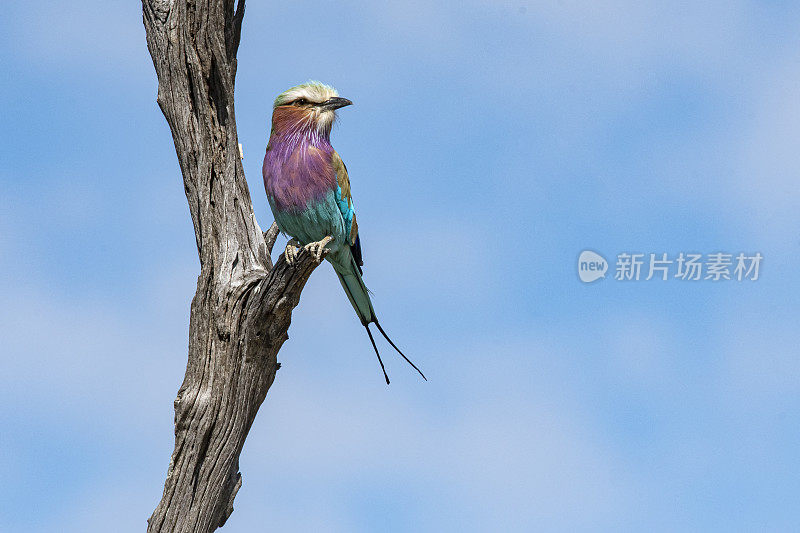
column 309, row 192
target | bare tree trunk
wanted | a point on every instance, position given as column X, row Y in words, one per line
column 242, row 309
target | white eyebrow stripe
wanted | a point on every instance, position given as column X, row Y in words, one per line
column 314, row 92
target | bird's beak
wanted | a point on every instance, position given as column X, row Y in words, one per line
column 334, row 103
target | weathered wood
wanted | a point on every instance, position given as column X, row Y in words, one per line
column 241, row 311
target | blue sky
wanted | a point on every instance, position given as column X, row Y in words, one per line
column 490, row 143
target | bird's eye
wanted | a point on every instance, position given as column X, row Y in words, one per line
column 300, row 101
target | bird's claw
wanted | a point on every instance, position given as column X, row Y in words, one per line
column 317, row 248
column 291, row 251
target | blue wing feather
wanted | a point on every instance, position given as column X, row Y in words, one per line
column 344, row 200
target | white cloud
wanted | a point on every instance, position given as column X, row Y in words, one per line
column 518, row 446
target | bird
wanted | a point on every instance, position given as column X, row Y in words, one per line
column 308, row 190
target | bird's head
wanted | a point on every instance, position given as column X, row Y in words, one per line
column 309, row 107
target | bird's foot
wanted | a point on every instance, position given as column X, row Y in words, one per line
column 316, row 248
column 291, row 251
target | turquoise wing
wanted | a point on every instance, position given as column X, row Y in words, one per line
column 344, row 198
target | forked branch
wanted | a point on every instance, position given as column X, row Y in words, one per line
column 241, row 311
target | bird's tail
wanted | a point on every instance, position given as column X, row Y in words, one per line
column 355, row 289
column 357, row 293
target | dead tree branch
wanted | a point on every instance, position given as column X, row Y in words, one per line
column 241, row 311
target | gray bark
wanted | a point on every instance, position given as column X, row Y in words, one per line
column 241, row 311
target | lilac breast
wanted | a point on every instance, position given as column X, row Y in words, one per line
column 297, row 173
